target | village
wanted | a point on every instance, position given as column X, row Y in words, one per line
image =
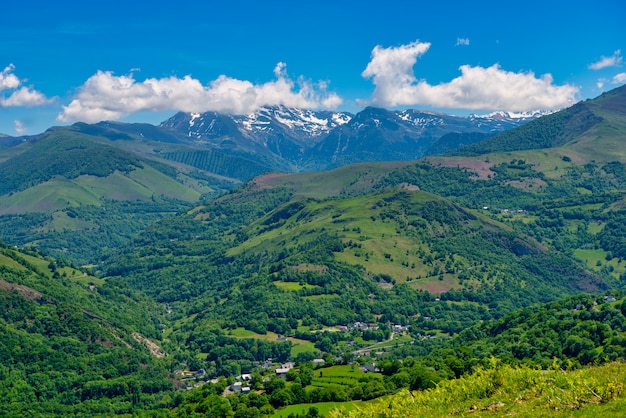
column 242, row 384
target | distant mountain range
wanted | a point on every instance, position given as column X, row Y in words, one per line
column 304, row 140
column 278, row 138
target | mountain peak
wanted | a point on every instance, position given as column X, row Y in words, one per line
column 295, row 123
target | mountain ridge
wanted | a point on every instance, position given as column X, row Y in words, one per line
column 311, row 140
column 581, row 123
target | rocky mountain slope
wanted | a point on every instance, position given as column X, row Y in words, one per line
column 304, row 140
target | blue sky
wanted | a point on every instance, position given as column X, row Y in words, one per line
column 68, row 61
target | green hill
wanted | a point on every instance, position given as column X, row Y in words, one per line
column 58, row 155
column 76, row 191
column 269, row 261
column 546, row 132
column 591, row 127
column 405, row 235
column 583, row 329
column 72, row 343
column 507, row 391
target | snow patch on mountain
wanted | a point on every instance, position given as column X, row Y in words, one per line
column 502, row 120
column 192, row 121
column 341, row 118
column 418, row 119
column 512, row 115
column 300, row 122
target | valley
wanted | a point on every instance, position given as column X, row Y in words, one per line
column 136, row 254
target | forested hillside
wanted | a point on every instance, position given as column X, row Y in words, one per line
column 582, row 122
column 299, row 266
column 73, row 343
column 219, row 163
column 75, row 191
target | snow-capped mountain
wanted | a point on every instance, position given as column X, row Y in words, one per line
column 308, row 139
column 501, row 121
column 275, row 132
column 381, row 135
column 300, row 124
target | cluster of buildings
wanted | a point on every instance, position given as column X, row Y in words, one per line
column 242, row 382
column 514, row 211
column 364, row 326
column 241, row 386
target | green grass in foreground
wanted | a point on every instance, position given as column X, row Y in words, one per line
column 509, row 391
column 322, row 407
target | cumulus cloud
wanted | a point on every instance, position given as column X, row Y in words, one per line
column 105, row 96
column 619, row 78
column 18, row 96
column 462, row 41
column 391, row 70
column 604, row 62
column 8, row 80
column 25, row 96
column 477, row 88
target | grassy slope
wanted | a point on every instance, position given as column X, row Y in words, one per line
column 52, row 195
column 601, row 142
column 606, row 141
column 352, row 219
column 59, row 193
column 356, row 178
column 381, row 245
column 507, row 391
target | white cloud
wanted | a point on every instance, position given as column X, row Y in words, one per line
column 604, row 62
column 7, row 79
column 462, row 41
column 490, row 88
column 22, row 96
column 392, row 71
column 19, row 127
column 25, row 97
column 619, row 78
column 105, row 96
column 600, row 83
